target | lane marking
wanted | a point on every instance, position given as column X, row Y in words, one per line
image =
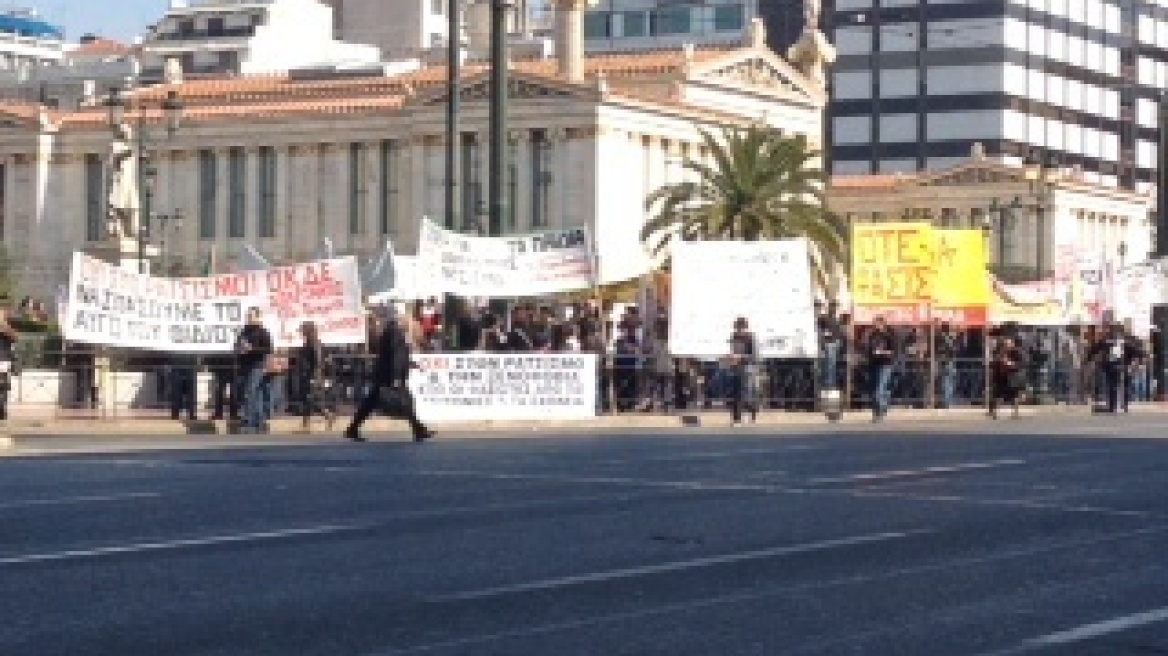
column 1099, row 629
column 1086, row 632
column 752, row 596
column 381, row 522
column 763, row 488
column 67, row 501
column 145, row 547
column 676, row 566
column 611, row 480
column 916, row 473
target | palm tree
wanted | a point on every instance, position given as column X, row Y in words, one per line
column 759, row 185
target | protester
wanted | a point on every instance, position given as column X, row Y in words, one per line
column 391, row 371
column 252, row 349
column 881, row 351
column 743, row 372
column 312, row 379
column 8, row 362
column 945, row 354
column 1117, row 354
column 1008, row 376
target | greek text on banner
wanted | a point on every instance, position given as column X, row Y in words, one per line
column 893, row 270
column 501, row 267
column 491, row 387
column 107, row 305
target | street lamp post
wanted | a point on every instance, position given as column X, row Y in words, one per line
column 117, row 105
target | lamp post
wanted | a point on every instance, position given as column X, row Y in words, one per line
column 117, row 106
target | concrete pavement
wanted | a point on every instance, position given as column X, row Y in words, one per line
column 953, row 538
column 130, row 425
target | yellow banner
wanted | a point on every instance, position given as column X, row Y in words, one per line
column 962, row 293
column 893, row 272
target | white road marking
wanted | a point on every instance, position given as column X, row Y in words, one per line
column 915, row 473
column 1098, row 629
column 676, row 566
column 747, row 597
column 1086, row 632
column 146, row 547
column 69, row 501
column 613, row 480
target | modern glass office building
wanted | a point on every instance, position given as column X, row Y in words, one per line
column 1074, row 82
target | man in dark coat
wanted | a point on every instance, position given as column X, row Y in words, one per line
column 391, row 369
column 1117, row 354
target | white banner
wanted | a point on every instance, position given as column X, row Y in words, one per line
column 505, row 387
column 1137, row 289
column 108, row 305
column 501, row 267
column 766, row 282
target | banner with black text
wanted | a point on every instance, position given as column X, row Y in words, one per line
column 107, row 305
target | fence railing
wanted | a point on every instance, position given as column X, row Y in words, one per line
column 91, row 384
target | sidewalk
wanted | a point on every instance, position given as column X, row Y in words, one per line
column 158, row 427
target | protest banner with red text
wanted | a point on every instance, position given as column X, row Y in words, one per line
column 108, row 305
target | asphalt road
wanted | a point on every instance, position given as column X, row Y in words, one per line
column 1042, row 536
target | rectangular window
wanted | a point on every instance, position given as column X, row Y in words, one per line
column 386, row 186
column 597, row 25
column 95, row 198
column 541, row 178
column 208, row 194
column 634, row 23
column 237, row 193
column 729, row 18
column 267, row 192
column 438, row 7
column 672, row 20
column 357, row 189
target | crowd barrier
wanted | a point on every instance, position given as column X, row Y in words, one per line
column 93, row 385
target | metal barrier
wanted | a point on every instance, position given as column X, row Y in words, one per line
column 83, row 383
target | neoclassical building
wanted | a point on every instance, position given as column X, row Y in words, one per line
column 1037, row 221
column 283, row 162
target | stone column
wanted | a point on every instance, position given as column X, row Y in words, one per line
column 251, row 195
column 281, row 242
column 524, row 183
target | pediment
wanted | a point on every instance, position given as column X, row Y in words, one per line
column 973, row 175
column 520, row 86
column 763, row 71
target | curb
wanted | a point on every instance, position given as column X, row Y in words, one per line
column 33, row 429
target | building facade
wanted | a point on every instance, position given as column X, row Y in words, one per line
column 215, row 38
column 283, row 163
column 1072, row 82
column 1033, row 219
column 614, row 25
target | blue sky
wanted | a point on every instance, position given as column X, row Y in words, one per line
column 116, row 19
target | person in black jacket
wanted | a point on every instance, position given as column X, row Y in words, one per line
column 391, row 369
column 881, row 354
column 1116, row 354
column 312, row 382
column 252, row 348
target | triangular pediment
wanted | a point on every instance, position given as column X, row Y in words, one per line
column 975, row 173
column 520, row 86
column 760, row 70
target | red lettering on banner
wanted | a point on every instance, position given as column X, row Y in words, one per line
column 235, row 285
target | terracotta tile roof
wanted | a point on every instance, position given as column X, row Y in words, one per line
column 274, row 96
column 101, row 48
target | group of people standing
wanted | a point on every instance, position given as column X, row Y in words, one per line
column 1114, row 354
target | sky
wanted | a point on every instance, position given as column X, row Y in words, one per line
column 116, row 19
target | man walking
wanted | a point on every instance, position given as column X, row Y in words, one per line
column 391, row 371
column 1117, row 353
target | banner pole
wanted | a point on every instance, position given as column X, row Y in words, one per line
column 931, row 335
